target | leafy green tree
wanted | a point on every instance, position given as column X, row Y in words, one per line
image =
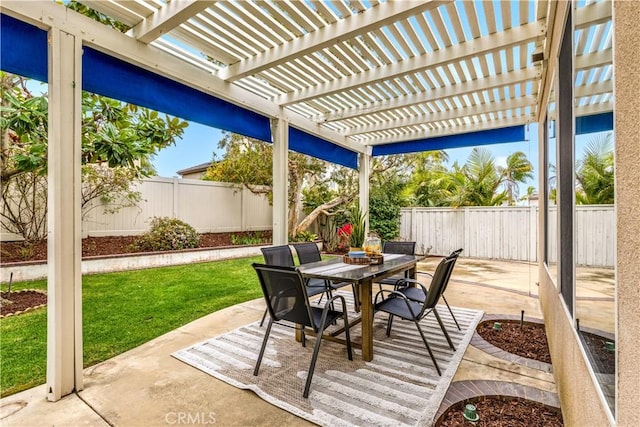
column 531, row 191
column 518, row 169
column 118, row 141
column 385, row 202
column 430, row 181
column 315, row 187
column 249, row 162
column 477, row 183
column 595, row 173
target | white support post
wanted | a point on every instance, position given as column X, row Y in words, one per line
column 64, row 285
column 280, row 137
column 364, row 170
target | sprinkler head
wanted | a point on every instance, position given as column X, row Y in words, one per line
column 470, row 413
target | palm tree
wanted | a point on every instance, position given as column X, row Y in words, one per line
column 480, row 181
column 518, row 169
column 429, row 182
column 595, row 173
column 531, row 191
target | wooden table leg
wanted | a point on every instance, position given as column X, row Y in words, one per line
column 366, row 312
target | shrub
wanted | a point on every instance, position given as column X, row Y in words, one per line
column 304, row 236
column 168, row 234
column 254, row 238
column 384, row 208
column 329, row 234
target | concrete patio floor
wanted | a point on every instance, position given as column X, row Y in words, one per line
column 146, row 386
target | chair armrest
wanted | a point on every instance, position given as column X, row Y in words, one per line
column 327, row 305
column 425, row 273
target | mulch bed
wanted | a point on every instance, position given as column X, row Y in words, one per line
column 502, row 411
column 530, row 341
column 97, row 246
column 19, row 301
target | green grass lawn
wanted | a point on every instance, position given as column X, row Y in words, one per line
column 123, row 310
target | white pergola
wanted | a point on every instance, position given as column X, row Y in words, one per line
column 366, row 76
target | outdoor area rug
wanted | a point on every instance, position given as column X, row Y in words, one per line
column 398, row 387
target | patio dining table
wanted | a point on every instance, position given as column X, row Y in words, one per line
column 363, row 277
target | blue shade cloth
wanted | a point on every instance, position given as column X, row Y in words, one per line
column 314, row 146
column 471, row 139
column 108, row 76
column 23, row 49
column 594, row 123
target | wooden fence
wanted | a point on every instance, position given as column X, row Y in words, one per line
column 508, row 233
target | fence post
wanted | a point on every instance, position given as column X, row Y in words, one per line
column 467, row 233
column 243, row 209
column 533, row 233
column 175, row 207
column 414, row 231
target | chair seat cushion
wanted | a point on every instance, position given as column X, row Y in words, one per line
column 398, row 307
column 332, row 316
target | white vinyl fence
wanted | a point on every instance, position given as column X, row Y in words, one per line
column 508, row 233
column 205, row 205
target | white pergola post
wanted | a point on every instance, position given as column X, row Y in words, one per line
column 280, row 137
column 64, row 285
column 364, row 169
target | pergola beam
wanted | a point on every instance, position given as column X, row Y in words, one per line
column 594, row 89
column 168, row 17
column 113, row 10
column 461, row 89
column 452, row 114
column 557, row 13
column 588, row 110
column 593, row 60
column 494, row 43
column 346, row 29
column 593, row 14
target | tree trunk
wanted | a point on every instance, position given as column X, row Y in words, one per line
column 323, row 208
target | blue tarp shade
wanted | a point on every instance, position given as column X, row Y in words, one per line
column 471, row 139
column 311, row 145
column 23, row 48
column 594, row 123
column 108, row 76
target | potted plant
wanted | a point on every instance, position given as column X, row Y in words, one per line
column 358, row 226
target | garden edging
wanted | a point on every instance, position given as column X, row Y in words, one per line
column 106, row 264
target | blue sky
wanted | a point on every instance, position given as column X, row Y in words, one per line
column 196, row 146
